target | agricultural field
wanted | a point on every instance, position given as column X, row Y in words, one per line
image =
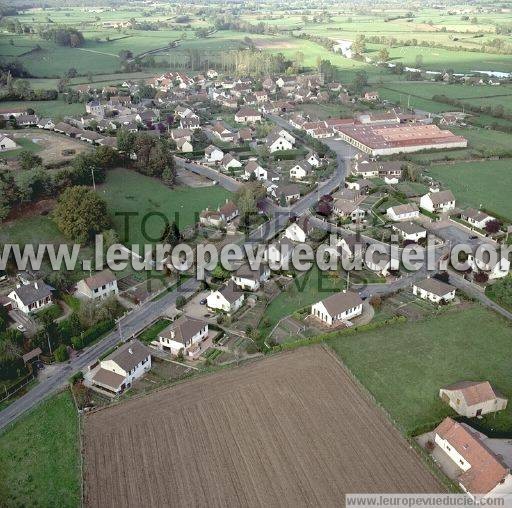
column 55, row 109
column 486, row 183
column 239, row 446
column 129, row 191
column 39, row 457
column 404, row 365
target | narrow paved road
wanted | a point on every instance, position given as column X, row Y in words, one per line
column 131, row 324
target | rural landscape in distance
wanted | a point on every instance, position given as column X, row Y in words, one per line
column 255, row 254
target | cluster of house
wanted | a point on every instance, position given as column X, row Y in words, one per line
column 477, row 462
column 32, row 293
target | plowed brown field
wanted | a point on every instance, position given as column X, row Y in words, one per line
column 290, row 430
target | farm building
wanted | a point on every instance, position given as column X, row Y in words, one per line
column 402, row 138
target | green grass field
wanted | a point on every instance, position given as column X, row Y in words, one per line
column 24, row 144
column 404, row 365
column 128, row 191
column 54, row 109
column 39, row 457
column 486, row 183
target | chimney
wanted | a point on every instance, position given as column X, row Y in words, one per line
column 36, row 285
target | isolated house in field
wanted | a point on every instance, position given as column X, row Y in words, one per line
column 480, row 472
column 403, row 212
column 247, row 115
column 121, row 368
column 6, row 143
column 473, row 398
column 476, row 218
column 99, row 285
column 228, row 298
column 410, row 231
column 434, row 290
column 249, row 279
column 371, row 96
column 31, row 297
column 213, row 154
column 183, row 335
column 301, row 170
column 438, row 202
column 338, row 308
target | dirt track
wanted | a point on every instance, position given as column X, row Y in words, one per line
column 289, row 430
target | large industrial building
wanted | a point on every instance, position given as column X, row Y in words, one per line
column 391, row 139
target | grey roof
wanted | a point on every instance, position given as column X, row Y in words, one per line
column 435, row 286
column 341, row 302
column 231, row 292
column 108, row 379
column 129, row 355
column 247, row 272
column 409, row 228
column 184, row 329
column 33, row 292
column 476, row 215
column 440, row 197
column 407, row 208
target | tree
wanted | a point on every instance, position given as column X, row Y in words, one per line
column 180, row 302
column 125, row 141
column 28, row 160
column 360, row 81
column 220, row 273
column 61, row 353
column 171, row 234
column 106, row 157
column 492, row 226
column 282, row 200
column 383, row 55
column 359, row 45
column 169, row 176
column 9, row 193
column 80, row 214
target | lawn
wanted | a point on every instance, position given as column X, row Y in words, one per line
column 54, row 109
column 150, row 334
column 39, row 457
column 24, row 144
column 404, row 365
column 151, row 201
column 486, row 183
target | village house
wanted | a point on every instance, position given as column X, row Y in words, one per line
column 410, row 231
column 253, row 168
column 190, row 122
column 276, row 142
column 434, row 290
column 244, row 135
column 247, row 115
column 476, row 218
column 473, row 398
column 338, row 308
column 371, row 96
column 438, row 201
column 229, row 161
column 45, row 123
column 300, row 171
column 229, row 211
column 95, row 108
column 213, row 154
column 121, row 368
column 479, row 259
column 407, row 212
column 6, row 143
column 211, row 218
column 480, row 471
column 290, row 193
column 32, row 296
column 362, row 186
column 228, row 298
column 184, row 335
column 249, row 279
column 222, row 132
column 278, row 254
column 181, row 134
column 345, row 208
column 313, row 160
column 298, row 231
column 99, row 285
column 27, row 120
column 184, row 145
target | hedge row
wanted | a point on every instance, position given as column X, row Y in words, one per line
column 93, row 333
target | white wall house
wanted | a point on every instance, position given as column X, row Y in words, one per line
column 300, row 171
column 100, row 285
column 298, row 231
column 228, row 298
column 245, row 115
column 249, row 279
column 213, row 154
column 277, row 143
column 495, row 270
column 278, row 254
column 403, row 212
column 476, row 218
column 338, row 308
column 228, row 162
column 252, row 167
column 31, row 297
column 183, row 335
column 410, row 231
column 120, row 369
column 438, row 202
column 6, row 143
column 434, row 290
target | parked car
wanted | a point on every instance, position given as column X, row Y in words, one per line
column 202, row 302
column 21, row 328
